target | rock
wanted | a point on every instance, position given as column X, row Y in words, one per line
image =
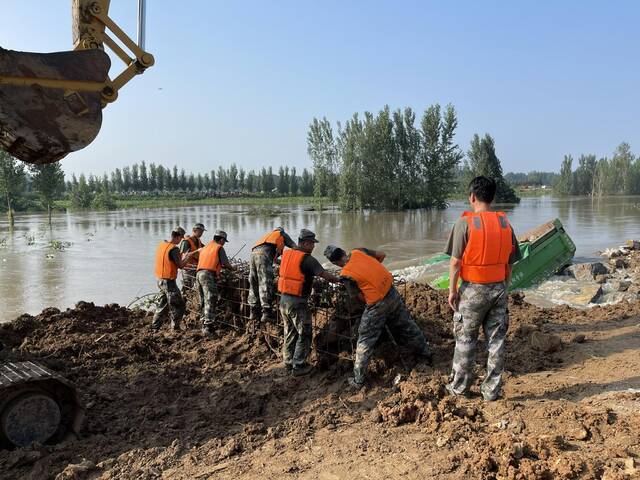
column 620, row 285
column 587, row 271
column 580, row 434
column 517, row 450
column 582, row 294
column 579, row 338
column 441, row 442
column 21, row 457
column 76, row 471
column 545, row 342
column 620, row 263
column 601, row 279
column 375, row 416
column 633, row 244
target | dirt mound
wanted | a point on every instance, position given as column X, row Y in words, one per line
column 179, row 405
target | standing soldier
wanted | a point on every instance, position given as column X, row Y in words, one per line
column 191, row 243
column 168, row 261
column 263, row 255
column 483, row 248
column 297, row 270
column 366, row 278
column 212, row 260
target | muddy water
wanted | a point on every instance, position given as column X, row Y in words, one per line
column 110, row 258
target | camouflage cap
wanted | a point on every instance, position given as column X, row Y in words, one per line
column 199, row 226
column 333, row 253
column 221, row 234
column 307, row 235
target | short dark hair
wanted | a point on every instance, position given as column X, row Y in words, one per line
column 217, row 238
column 337, row 254
column 175, row 234
column 483, row 188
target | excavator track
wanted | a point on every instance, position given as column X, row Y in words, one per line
column 36, row 405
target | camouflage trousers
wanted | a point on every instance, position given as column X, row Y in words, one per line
column 188, row 280
column 481, row 305
column 206, row 281
column 260, row 281
column 392, row 312
column 170, row 304
column 297, row 330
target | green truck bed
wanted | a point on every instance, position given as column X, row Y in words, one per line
column 545, row 251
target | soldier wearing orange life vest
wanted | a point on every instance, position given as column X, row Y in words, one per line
column 263, row 255
column 366, row 278
column 191, row 243
column 168, row 261
column 483, row 248
column 297, row 270
column 211, row 261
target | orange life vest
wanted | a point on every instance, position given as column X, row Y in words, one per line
column 166, row 269
column 373, row 279
column 488, row 249
column 210, row 258
column 275, row 238
column 194, row 244
column 291, row 279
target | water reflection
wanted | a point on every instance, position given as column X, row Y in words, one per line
column 111, row 259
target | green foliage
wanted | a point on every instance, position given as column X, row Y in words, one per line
column 482, row 160
column 532, row 179
column 59, row 245
column 81, row 195
column 48, row 182
column 619, row 175
column 12, row 181
column 384, row 161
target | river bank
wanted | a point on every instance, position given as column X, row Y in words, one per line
column 182, row 406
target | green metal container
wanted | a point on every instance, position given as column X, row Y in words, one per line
column 545, row 251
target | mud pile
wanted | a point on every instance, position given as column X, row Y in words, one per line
column 179, row 405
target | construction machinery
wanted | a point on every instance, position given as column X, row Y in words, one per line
column 51, row 103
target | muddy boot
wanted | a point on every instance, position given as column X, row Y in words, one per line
column 302, row 370
column 254, row 314
column 354, row 385
column 208, row 331
column 268, row 315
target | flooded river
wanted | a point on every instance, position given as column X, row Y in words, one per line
column 109, row 257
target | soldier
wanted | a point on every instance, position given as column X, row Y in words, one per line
column 297, row 270
column 483, row 248
column 191, row 243
column 212, row 260
column 168, row 261
column 367, row 279
column 263, row 255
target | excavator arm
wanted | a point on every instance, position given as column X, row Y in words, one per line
column 51, row 103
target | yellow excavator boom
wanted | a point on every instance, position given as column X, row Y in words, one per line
column 51, row 103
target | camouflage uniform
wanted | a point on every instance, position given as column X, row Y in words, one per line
column 481, row 305
column 297, row 330
column 169, row 304
column 188, row 280
column 390, row 311
column 208, row 290
column 260, row 279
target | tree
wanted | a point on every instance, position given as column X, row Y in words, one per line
column 103, row 199
column 12, row 181
column 81, row 195
column 293, row 182
column 484, row 161
column 135, row 178
column 564, row 186
column 232, row 178
column 144, row 178
column 321, row 147
column 283, row 184
column 48, row 180
column 153, row 177
column 306, row 183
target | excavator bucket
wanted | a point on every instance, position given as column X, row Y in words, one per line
column 42, row 124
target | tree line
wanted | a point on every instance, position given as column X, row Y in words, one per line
column 618, row 175
column 391, row 161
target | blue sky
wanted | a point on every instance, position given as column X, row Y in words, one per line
column 239, row 81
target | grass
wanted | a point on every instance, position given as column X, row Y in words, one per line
column 180, row 201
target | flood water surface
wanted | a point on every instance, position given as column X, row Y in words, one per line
column 110, row 255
